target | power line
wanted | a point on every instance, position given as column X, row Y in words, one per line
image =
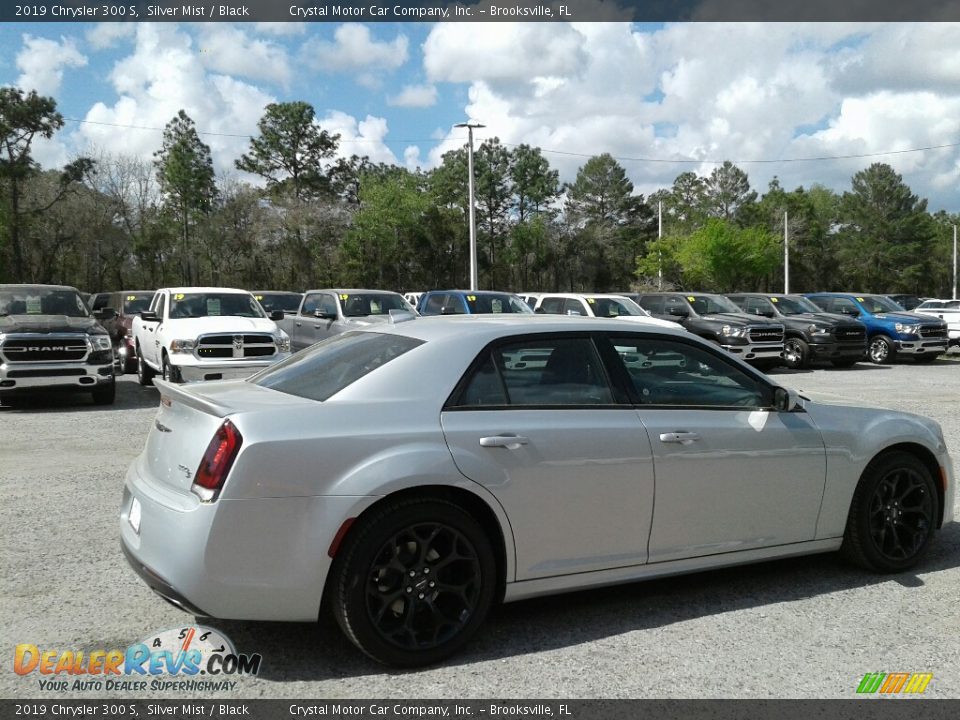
column 678, row 161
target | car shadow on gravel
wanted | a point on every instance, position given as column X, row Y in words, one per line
column 310, row 652
column 130, row 396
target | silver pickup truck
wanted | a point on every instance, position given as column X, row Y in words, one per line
column 328, row 312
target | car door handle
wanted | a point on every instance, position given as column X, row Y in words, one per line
column 511, row 442
column 298, row 324
column 679, row 437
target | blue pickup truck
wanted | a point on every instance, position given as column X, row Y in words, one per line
column 891, row 330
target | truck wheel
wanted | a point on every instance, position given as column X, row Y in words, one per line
column 145, row 373
column 881, row 350
column 104, row 394
column 796, row 353
column 893, row 514
column 171, row 373
column 413, row 581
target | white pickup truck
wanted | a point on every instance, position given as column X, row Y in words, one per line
column 205, row 333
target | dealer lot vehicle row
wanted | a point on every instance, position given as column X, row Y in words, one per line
column 816, row 620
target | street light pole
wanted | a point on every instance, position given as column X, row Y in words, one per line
column 954, row 262
column 786, row 255
column 473, row 223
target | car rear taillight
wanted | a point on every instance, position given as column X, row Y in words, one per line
column 217, row 461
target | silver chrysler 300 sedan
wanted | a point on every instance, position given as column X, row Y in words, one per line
column 407, row 476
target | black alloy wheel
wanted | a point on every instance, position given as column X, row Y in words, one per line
column 893, row 515
column 413, row 583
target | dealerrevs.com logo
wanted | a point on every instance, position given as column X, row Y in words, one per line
column 894, row 683
column 193, row 658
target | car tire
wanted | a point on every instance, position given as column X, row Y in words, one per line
column 880, row 350
column 104, row 394
column 796, row 353
column 412, row 582
column 893, row 514
column 844, row 363
column 169, row 372
column 145, row 373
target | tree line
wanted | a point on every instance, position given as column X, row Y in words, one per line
column 111, row 221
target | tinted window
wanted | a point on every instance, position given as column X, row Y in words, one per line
column 552, row 306
column 364, row 304
column 312, row 304
column 560, row 371
column 709, row 304
column 100, row 301
column 651, row 303
column 333, row 364
column 671, row 303
column 844, row 306
column 499, row 303
column 41, row 301
column 134, row 303
column 279, row 301
column 572, row 306
column 666, row 372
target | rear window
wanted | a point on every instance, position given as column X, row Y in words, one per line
column 324, row 369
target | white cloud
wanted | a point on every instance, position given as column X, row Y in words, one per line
column 733, row 91
column 161, row 76
column 416, row 96
column 42, row 61
column 281, row 28
column 105, row 35
column 363, row 137
column 228, row 49
column 355, row 49
column 411, row 157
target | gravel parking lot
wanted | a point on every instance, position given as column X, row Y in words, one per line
column 809, row 627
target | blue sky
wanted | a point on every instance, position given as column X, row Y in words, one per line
column 663, row 99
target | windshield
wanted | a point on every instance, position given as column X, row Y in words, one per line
column 497, row 303
column 279, row 301
column 795, row 305
column 41, row 301
column 328, row 367
column 879, row 304
column 197, row 305
column 614, row 307
column 136, row 303
column 364, row 304
column 709, row 304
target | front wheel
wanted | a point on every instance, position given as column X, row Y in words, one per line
column 881, row 350
column 796, row 353
column 413, row 582
column 145, row 373
column 893, row 514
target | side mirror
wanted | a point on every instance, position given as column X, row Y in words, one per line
column 149, row 316
column 679, row 312
column 105, row 314
column 276, row 315
column 324, row 315
column 447, row 310
column 785, row 400
column 577, row 313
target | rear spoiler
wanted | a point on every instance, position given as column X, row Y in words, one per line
column 181, row 394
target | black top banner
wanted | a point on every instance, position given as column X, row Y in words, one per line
column 370, row 11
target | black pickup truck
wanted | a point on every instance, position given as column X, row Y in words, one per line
column 48, row 339
column 754, row 339
column 811, row 334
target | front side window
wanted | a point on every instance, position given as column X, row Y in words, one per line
column 652, row 303
column 879, row 304
column 551, row 305
column 328, row 367
column 574, row 306
column 538, row 373
column 844, row 306
column 673, row 373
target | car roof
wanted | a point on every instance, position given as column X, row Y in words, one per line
column 474, row 292
column 490, row 327
column 354, row 291
column 275, row 292
column 186, row 290
column 23, row 286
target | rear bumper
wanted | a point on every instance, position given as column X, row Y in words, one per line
column 36, row 376
column 240, row 559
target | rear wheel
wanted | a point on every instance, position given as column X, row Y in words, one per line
column 796, row 353
column 881, row 350
column 145, row 373
column 413, row 582
column 893, row 514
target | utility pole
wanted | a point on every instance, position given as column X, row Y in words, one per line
column 473, row 223
column 786, row 255
column 954, row 262
column 659, row 250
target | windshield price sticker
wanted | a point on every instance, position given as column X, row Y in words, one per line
column 471, row 298
column 691, row 298
column 591, row 301
column 344, row 296
column 178, row 296
column 774, row 300
column 859, row 299
column 33, row 305
column 131, row 297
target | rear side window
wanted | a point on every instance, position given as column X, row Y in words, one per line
column 330, row 366
column 548, row 372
